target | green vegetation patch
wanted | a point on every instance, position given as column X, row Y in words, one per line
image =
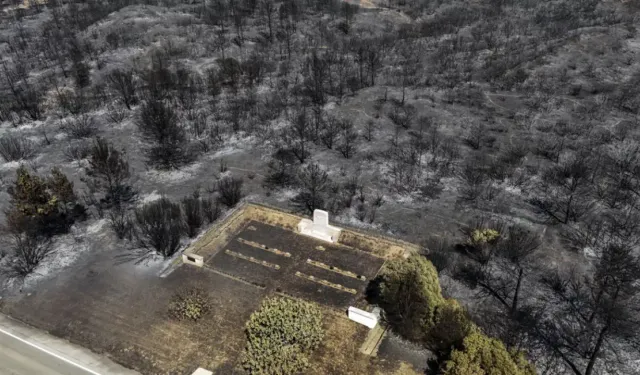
column 189, row 305
column 482, row 355
column 409, row 294
column 281, row 335
column 484, row 236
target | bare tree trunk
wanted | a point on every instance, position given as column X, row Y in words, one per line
column 514, row 303
column 596, row 351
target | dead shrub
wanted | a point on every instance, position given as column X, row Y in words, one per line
column 14, row 148
column 83, row 126
column 159, row 227
column 76, row 151
column 230, row 190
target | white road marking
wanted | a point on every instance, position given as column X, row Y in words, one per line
column 49, row 352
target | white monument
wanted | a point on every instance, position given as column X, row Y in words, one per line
column 319, row 228
column 360, row 316
column 201, row 371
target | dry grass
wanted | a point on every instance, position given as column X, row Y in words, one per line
column 271, row 216
column 126, row 317
column 340, row 353
column 381, row 246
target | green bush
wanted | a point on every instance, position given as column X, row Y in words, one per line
column 281, row 336
column 42, row 206
column 189, row 305
column 409, row 294
column 450, row 327
column 482, row 355
column 484, row 236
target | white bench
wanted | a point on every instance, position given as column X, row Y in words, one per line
column 360, row 316
column 319, row 228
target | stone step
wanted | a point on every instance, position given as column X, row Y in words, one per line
column 373, row 340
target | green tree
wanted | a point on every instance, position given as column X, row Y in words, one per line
column 30, row 196
column 482, row 355
column 409, row 294
column 451, row 325
column 43, row 206
column 60, row 187
column 281, row 336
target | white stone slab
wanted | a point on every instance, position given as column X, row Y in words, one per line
column 201, row 371
column 321, row 218
column 319, row 228
column 360, row 316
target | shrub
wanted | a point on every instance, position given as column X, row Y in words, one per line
column 191, row 304
column 281, row 336
column 230, row 71
column 451, row 325
column 158, row 123
column 61, row 187
column 210, row 209
column 43, row 206
column 27, row 250
column 482, row 355
column 120, row 222
column 159, row 226
column 76, row 151
column 192, row 208
column 409, row 294
column 314, row 182
column 123, row 82
column 484, row 236
column 230, row 191
column 116, row 115
column 30, row 195
column 402, row 116
column 14, row 148
column 281, row 171
column 83, row 126
column 439, row 253
column 109, row 171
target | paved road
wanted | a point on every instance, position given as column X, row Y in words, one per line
column 25, row 350
column 19, row 358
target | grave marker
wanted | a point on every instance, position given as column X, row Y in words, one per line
column 319, row 228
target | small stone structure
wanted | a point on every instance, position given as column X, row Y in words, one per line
column 194, row 259
column 365, row 318
column 319, row 228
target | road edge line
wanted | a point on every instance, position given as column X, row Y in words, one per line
column 48, row 352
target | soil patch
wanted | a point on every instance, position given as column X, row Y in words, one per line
column 283, row 260
column 124, row 315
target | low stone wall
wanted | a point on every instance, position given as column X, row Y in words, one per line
column 219, row 234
